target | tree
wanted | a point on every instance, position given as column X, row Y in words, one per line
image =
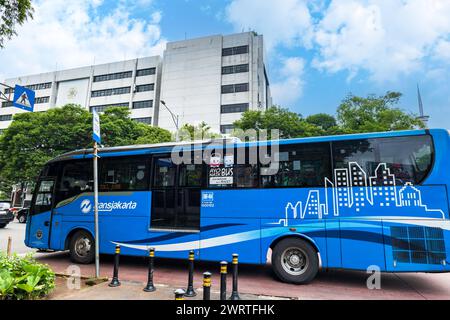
column 34, row 138
column 322, row 120
column 13, row 13
column 374, row 114
column 189, row 132
column 290, row 124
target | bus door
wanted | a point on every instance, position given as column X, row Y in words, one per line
column 41, row 214
column 175, row 207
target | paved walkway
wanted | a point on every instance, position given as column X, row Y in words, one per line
column 259, row 280
column 131, row 290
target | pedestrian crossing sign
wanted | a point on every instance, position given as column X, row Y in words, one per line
column 23, row 98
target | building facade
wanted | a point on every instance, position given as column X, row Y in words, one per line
column 212, row 79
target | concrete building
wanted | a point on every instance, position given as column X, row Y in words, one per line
column 211, row 79
column 131, row 83
column 214, row 79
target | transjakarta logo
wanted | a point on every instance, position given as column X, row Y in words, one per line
column 86, row 206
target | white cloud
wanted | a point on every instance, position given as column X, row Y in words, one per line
column 286, row 22
column 386, row 38
column 290, row 87
column 71, row 34
column 383, row 38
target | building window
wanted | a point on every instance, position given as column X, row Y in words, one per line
column 113, row 76
column 34, row 87
column 234, row 50
column 145, row 87
column 110, row 92
column 6, row 117
column 102, row 108
column 147, row 120
column 233, row 88
column 145, row 72
column 40, row 86
column 143, row 104
column 235, row 69
column 234, row 108
column 226, row 128
column 7, row 104
column 42, row 100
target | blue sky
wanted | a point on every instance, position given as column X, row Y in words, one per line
column 317, row 51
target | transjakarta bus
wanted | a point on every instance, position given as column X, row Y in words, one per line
column 349, row 202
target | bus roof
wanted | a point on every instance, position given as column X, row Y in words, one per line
column 214, row 143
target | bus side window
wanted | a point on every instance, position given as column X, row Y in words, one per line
column 44, row 201
column 124, row 174
column 76, row 178
column 302, row 165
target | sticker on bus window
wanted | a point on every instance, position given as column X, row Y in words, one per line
column 215, row 160
column 297, row 165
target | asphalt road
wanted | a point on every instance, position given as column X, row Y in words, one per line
column 16, row 231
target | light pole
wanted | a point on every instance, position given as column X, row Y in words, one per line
column 175, row 119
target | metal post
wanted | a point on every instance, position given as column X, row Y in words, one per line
column 223, row 280
column 151, row 255
column 97, row 242
column 207, row 285
column 179, row 294
column 177, row 135
column 190, row 292
column 115, row 280
column 8, row 249
column 234, row 293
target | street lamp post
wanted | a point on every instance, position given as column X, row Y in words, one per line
column 175, row 119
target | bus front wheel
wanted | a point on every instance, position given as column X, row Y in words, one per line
column 295, row 261
column 82, row 247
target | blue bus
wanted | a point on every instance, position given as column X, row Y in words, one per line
column 346, row 202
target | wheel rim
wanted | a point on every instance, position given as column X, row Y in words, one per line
column 294, row 261
column 83, row 247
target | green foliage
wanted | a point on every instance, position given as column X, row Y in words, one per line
column 33, row 138
column 13, row 13
column 24, row 278
column 289, row 123
column 375, row 114
column 354, row 115
column 150, row 135
column 202, row 131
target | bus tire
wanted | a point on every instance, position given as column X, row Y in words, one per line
column 82, row 247
column 295, row 261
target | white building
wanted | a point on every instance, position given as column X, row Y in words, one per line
column 211, row 79
column 214, row 79
column 132, row 83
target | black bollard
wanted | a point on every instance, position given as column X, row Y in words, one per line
column 179, row 294
column 234, row 292
column 190, row 292
column 115, row 280
column 207, row 285
column 223, row 280
column 151, row 264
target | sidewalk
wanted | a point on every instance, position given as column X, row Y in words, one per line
column 132, row 290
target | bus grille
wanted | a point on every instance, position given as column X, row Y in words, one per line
column 418, row 245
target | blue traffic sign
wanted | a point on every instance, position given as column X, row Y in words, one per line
column 23, row 98
column 96, row 127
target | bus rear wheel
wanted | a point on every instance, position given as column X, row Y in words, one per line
column 82, row 247
column 295, row 261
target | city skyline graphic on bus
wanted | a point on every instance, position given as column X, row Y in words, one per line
column 354, row 193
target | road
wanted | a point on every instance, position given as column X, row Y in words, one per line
column 16, row 231
column 259, row 280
